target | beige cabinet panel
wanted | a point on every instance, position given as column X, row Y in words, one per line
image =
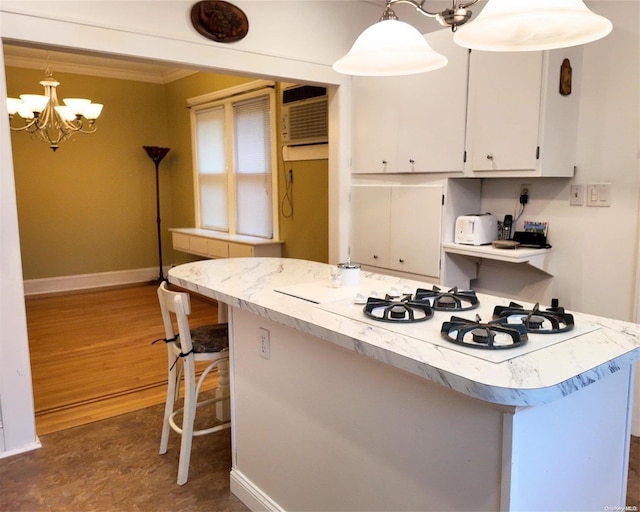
column 240, row 251
column 217, row 249
column 214, row 244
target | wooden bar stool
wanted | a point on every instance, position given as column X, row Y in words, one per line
column 208, row 343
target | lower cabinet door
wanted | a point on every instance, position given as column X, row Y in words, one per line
column 416, row 219
column 217, row 249
column 397, row 227
column 370, row 219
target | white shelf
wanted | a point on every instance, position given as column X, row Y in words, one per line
column 537, row 258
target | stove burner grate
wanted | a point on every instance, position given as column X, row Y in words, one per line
column 452, row 300
column 491, row 336
column 549, row 321
column 401, row 311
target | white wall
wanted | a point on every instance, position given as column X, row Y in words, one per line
column 595, row 250
column 16, row 398
column 288, row 40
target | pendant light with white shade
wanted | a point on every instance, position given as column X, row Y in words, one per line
column 528, row 25
column 388, row 48
column 391, row 47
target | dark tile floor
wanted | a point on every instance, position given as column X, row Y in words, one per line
column 633, row 482
column 113, row 465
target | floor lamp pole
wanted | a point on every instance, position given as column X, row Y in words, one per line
column 161, row 273
column 157, row 154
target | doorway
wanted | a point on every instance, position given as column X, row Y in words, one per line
column 40, row 248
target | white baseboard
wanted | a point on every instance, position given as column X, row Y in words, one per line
column 253, row 497
column 88, row 281
column 23, row 449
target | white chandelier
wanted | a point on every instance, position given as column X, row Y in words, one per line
column 48, row 121
column 391, row 47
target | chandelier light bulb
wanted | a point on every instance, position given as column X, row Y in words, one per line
column 77, row 105
column 65, row 112
column 13, row 104
column 92, row 111
column 25, row 112
column 35, row 102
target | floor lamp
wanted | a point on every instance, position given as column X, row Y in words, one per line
column 157, row 154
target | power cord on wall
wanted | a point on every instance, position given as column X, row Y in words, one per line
column 286, row 205
column 523, row 200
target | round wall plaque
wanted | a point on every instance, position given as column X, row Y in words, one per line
column 221, row 21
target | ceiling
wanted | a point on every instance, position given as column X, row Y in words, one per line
column 92, row 64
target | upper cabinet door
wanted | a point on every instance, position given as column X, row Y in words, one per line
column 519, row 123
column 374, row 124
column 413, row 123
column 432, row 117
column 504, row 109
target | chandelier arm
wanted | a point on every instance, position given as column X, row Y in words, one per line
column 468, row 4
column 453, row 17
column 418, row 5
column 26, row 127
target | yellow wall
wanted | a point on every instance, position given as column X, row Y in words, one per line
column 90, row 206
column 306, row 231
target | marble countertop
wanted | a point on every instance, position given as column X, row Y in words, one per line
column 534, row 378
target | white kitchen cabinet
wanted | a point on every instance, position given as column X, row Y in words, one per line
column 212, row 244
column 370, row 225
column 518, row 123
column 413, row 123
column 397, row 227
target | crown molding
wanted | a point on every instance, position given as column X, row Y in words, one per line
column 106, row 68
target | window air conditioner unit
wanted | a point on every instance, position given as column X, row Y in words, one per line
column 305, row 116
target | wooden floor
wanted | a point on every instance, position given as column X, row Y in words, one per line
column 92, row 357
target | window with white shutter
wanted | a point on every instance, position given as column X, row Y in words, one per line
column 234, row 163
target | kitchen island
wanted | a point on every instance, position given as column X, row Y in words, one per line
column 333, row 413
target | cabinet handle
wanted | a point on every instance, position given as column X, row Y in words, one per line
column 384, row 162
column 401, row 260
column 490, row 156
column 412, row 161
column 375, row 256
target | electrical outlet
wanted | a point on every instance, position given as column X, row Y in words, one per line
column 577, row 195
column 264, row 341
column 525, row 189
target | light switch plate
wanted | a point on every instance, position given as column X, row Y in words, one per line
column 599, row 194
column 577, row 195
